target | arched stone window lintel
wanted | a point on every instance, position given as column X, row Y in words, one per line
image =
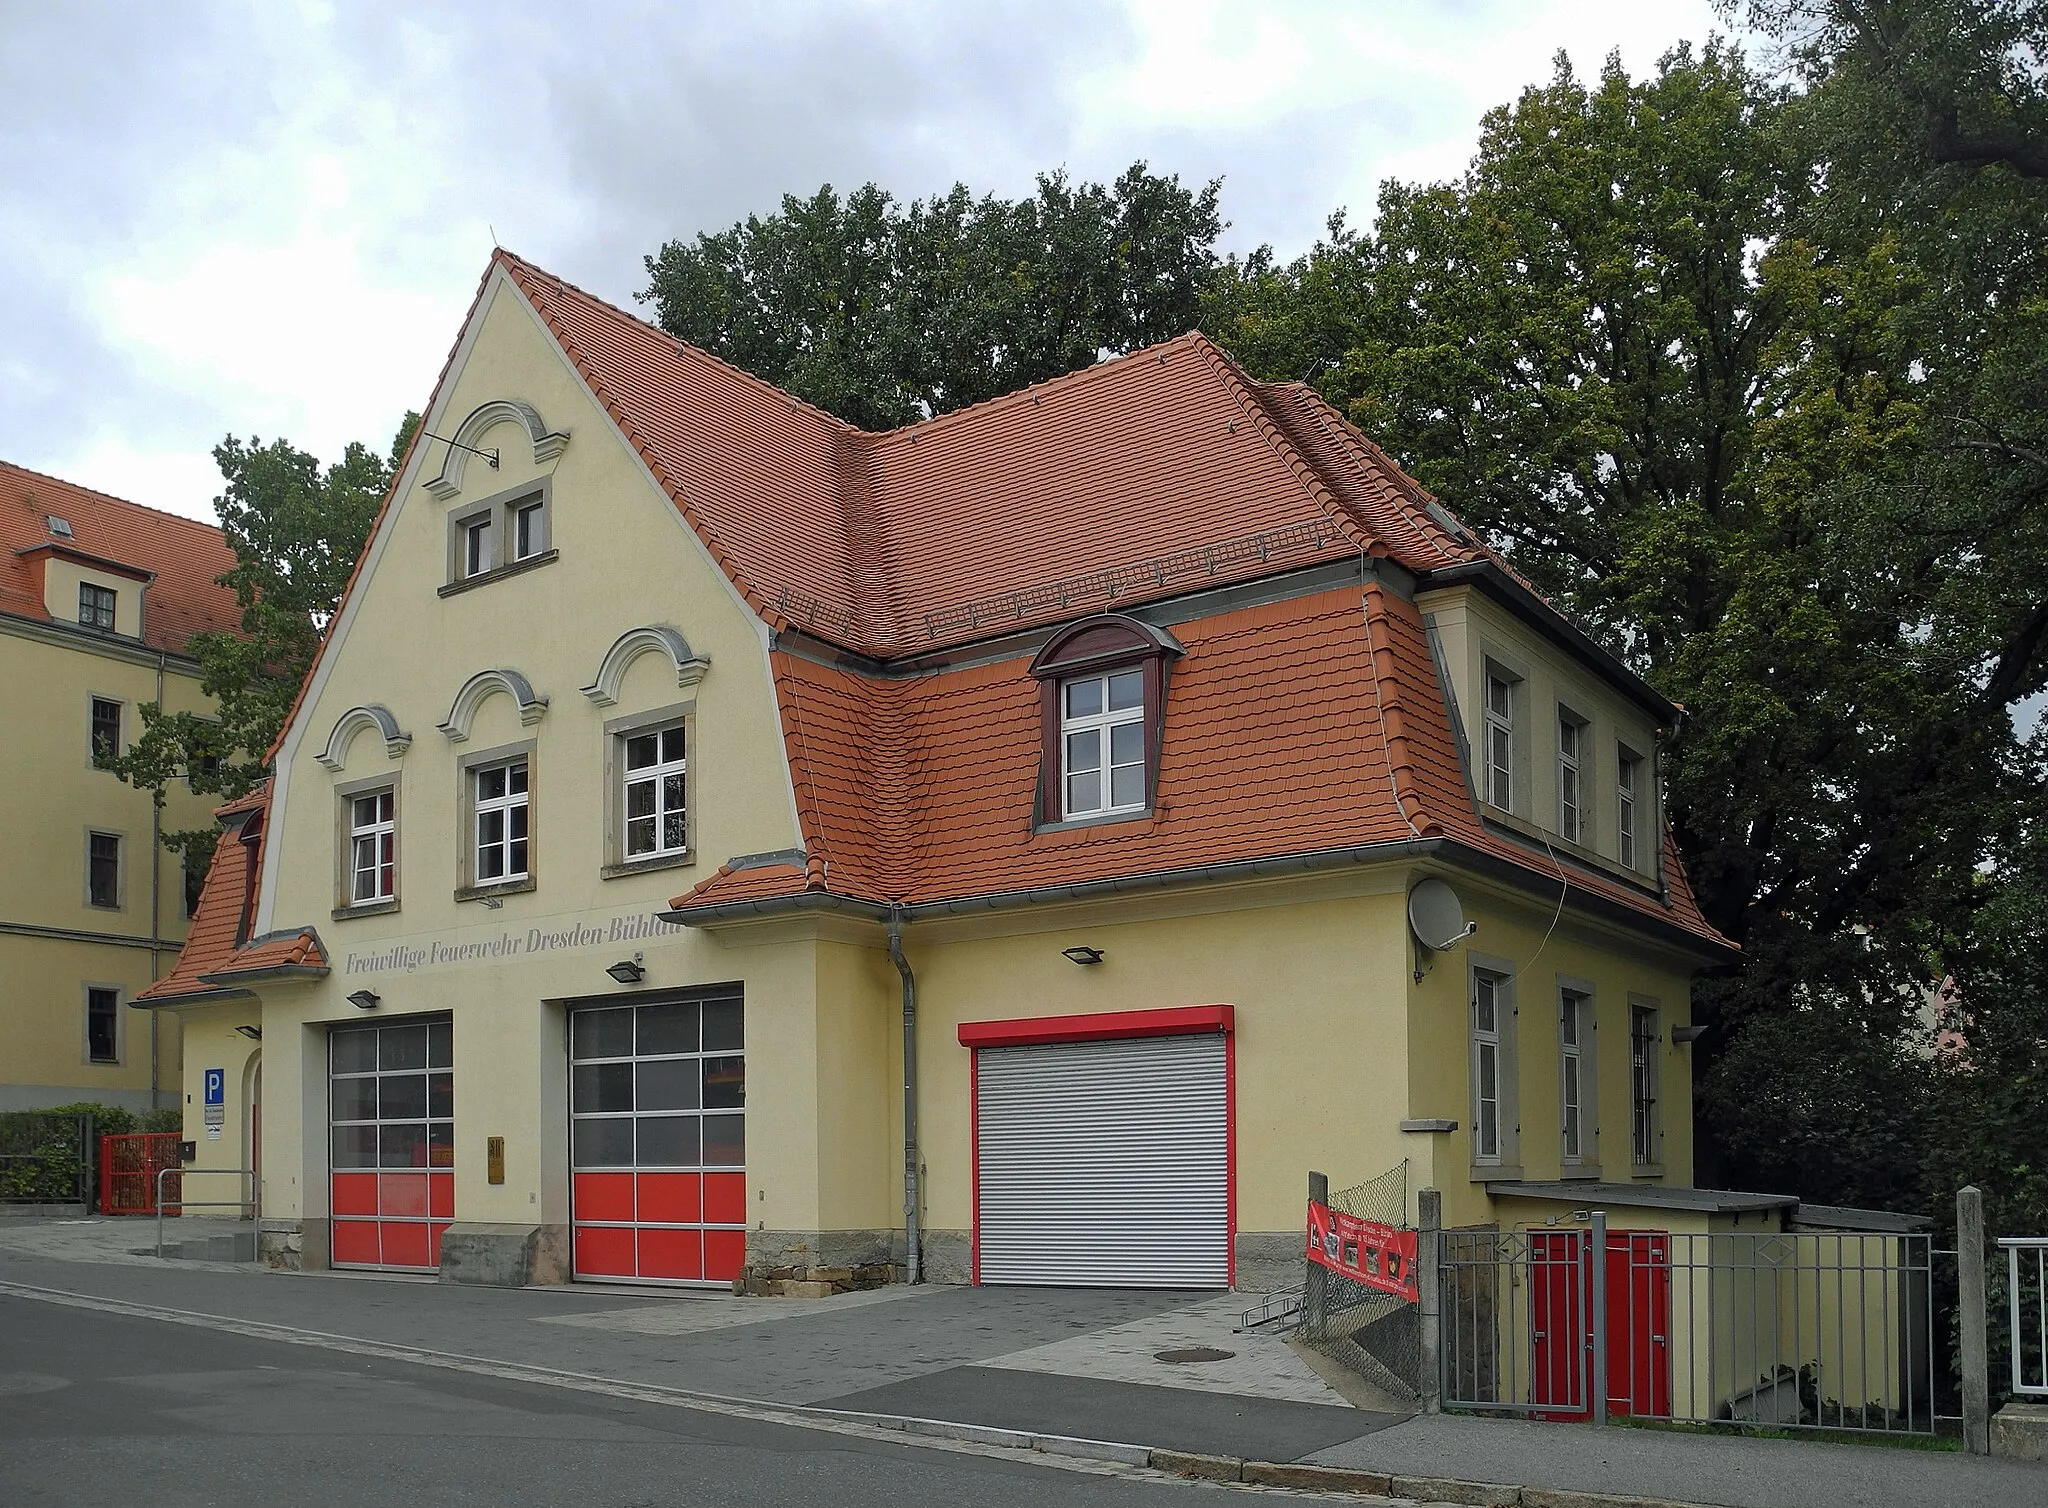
column 653, row 638
column 355, row 721
column 547, row 443
column 479, row 688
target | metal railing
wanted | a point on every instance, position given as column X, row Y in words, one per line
column 183, row 1203
column 1805, row 1329
column 2026, row 1274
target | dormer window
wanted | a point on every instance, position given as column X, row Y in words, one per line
column 1102, row 706
column 95, row 606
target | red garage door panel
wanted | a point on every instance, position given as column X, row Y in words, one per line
column 391, row 1142
column 657, row 1136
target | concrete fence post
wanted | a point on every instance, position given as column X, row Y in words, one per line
column 1429, row 1225
column 1972, row 1322
column 1315, row 1282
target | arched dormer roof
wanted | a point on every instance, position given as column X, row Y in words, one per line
column 1099, row 640
column 547, row 443
column 357, row 720
column 479, row 688
column 653, row 638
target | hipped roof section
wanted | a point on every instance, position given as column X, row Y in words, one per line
column 1139, row 478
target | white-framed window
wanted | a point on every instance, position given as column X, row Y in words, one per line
column 654, row 768
column 1628, row 779
column 529, row 528
column 1643, row 1038
column 501, row 815
column 1578, row 1094
column 476, row 545
column 1571, row 742
column 373, row 844
column 1500, row 740
column 1490, row 1013
column 1102, row 744
column 104, row 741
column 102, row 1024
column 95, row 606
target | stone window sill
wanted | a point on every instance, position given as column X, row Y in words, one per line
column 368, row 908
column 486, row 892
column 517, row 568
column 628, row 867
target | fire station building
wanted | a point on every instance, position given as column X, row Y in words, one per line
column 1013, row 848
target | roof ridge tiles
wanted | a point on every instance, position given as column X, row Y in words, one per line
column 1036, row 391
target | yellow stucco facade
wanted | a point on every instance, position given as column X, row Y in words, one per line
column 59, row 938
column 1349, row 1054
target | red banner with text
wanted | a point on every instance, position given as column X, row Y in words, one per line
column 1379, row 1256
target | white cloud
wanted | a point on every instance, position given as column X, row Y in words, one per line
column 268, row 217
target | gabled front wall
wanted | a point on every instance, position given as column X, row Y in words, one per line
column 625, row 559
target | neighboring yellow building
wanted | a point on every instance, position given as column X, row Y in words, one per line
column 97, row 600
column 713, row 836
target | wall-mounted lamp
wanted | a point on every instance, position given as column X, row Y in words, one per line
column 628, row 970
column 1684, row 1036
column 364, row 1000
column 1082, row 956
column 253, row 1033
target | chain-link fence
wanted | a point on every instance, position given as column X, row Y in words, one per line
column 1376, row 1334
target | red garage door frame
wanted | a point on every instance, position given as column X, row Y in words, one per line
column 1103, row 1026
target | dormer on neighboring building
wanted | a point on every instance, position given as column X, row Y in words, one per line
column 102, row 595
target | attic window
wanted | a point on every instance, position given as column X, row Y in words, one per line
column 61, row 527
column 1102, row 703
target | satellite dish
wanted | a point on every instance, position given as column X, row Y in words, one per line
column 1436, row 916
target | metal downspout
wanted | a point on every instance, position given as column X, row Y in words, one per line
column 156, row 884
column 913, row 1173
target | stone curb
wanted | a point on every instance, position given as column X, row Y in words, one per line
column 1309, row 1478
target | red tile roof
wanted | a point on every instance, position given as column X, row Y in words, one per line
column 185, row 555
column 211, row 959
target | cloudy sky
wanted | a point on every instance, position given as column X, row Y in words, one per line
column 268, row 218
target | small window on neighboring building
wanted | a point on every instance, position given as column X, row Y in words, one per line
column 501, row 815
column 529, row 529
column 1102, row 744
column 1489, row 1012
column 476, row 545
column 1628, row 778
column 1578, row 1114
column 103, row 870
column 1643, row 1037
column 655, row 815
column 373, row 842
column 1500, row 740
column 95, row 606
column 102, row 1025
column 105, row 739
column 1571, row 742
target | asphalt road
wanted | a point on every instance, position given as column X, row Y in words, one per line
column 98, row 1408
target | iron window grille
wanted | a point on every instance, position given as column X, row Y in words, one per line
column 103, row 870
column 1642, row 1083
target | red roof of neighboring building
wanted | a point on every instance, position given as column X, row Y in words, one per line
column 186, row 556
column 215, row 952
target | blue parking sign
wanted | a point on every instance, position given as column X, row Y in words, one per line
column 216, row 1086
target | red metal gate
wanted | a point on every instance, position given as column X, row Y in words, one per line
column 128, row 1169
column 1638, row 1322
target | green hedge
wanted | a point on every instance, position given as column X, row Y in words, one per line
column 39, row 1149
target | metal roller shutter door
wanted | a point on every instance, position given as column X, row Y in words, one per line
column 1104, row 1164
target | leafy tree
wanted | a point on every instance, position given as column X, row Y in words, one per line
column 884, row 314
column 1729, row 397
column 296, row 530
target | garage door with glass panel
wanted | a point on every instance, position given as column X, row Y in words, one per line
column 658, row 1139
column 1102, row 1149
column 391, row 1107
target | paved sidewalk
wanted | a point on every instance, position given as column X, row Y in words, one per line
column 1069, row 1362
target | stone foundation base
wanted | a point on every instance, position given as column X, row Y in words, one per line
column 292, row 1245
column 948, row 1256
column 2019, row 1432
column 1269, row 1260
column 505, row 1256
column 814, row 1282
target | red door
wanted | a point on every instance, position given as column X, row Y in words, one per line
column 1638, row 1323
column 391, row 1105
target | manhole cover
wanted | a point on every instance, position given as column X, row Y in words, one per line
column 1195, row 1353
